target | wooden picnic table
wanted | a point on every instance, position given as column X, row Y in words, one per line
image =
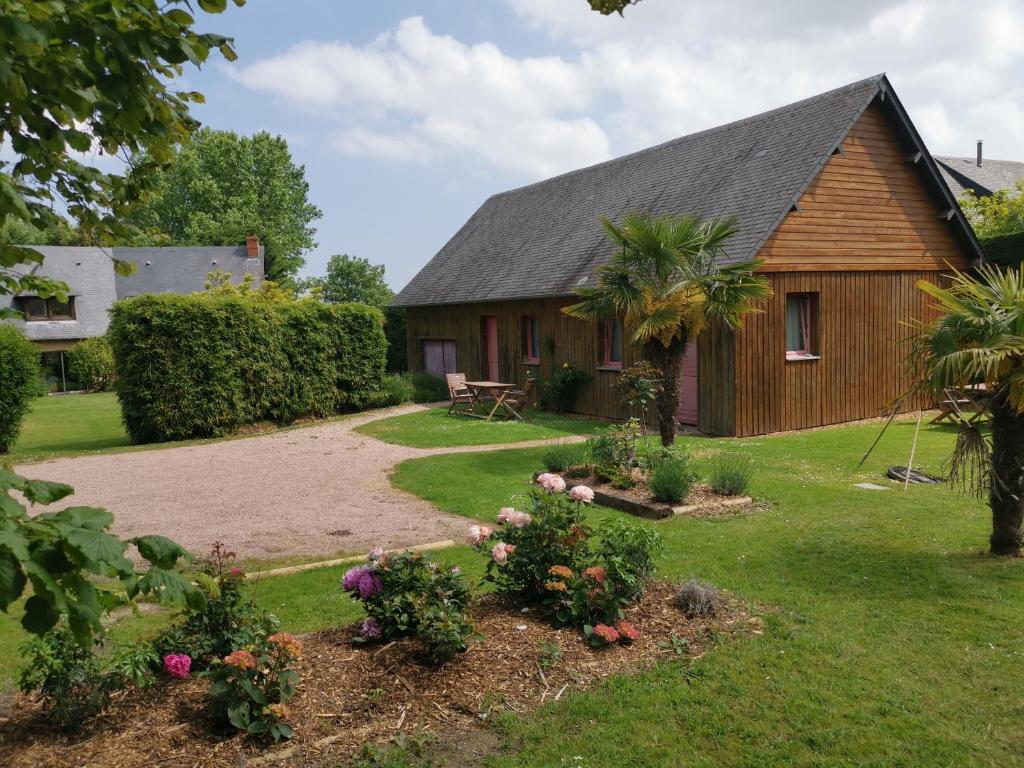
column 500, row 390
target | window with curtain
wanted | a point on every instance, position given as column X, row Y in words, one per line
column 801, row 326
column 531, row 339
column 612, row 345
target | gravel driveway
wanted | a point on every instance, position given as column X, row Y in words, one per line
column 314, row 490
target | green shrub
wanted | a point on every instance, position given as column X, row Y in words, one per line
column 731, row 474
column 626, row 549
column 407, row 594
column 227, row 620
column 559, row 457
column 205, row 364
column 396, row 389
column 91, row 364
column 559, row 392
column 68, row 676
column 429, row 388
column 671, row 479
column 19, row 382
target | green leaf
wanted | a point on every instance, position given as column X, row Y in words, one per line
column 39, row 616
column 213, row 6
column 124, row 268
column 179, row 16
column 98, row 547
column 45, row 492
column 257, row 727
column 93, row 518
column 161, row 551
column 239, row 716
column 10, row 507
column 12, row 580
column 254, row 693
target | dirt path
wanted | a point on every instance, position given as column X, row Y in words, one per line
column 311, row 491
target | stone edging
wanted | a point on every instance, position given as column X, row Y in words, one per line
column 291, row 569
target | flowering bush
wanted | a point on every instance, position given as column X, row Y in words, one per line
column 550, row 556
column 228, row 619
column 527, row 545
column 251, row 686
column 407, row 594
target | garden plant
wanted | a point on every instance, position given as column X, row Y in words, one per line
column 19, row 382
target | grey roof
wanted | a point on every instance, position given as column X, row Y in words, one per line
column 963, row 173
column 182, row 270
column 545, row 239
column 89, row 274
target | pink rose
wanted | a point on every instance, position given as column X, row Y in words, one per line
column 582, row 493
column 505, row 513
column 544, row 477
column 501, row 551
column 177, row 664
column 553, row 484
column 477, row 535
column 237, row 572
column 519, row 519
column 376, row 553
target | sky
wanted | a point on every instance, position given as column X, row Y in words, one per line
column 408, row 114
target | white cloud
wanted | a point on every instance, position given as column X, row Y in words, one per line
column 664, row 70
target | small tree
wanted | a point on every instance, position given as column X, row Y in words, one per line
column 667, row 283
column 350, row 278
column 979, row 339
column 20, row 381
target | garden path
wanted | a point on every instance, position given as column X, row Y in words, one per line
column 315, row 490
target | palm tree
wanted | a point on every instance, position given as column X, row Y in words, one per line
column 979, row 339
column 666, row 283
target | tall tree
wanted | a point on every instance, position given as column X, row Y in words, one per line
column 979, row 339
column 1001, row 213
column 666, row 283
column 220, row 187
column 608, row 7
column 79, row 77
column 350, row 278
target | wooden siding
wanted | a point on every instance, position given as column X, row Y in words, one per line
column 575, row 342
column 868, row 209
column 861, row 335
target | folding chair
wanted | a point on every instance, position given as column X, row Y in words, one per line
column 460, row 394
column 517, row 401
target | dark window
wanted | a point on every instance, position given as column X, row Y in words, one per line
column 35, row 308
column 613, row 344
column 801, row 326
column 531, row 339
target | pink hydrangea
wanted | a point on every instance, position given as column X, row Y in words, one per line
column 607, row 634
column 501, row 551
column 629, row 633
column 551, row 483
column 582, row 493
column 177, row 664
column 240, row 660
column 477, row 534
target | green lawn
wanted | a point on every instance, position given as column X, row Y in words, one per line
column 437, row 428
column 891, row 639
column 66, row 425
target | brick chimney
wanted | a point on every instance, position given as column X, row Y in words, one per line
column 252, row 247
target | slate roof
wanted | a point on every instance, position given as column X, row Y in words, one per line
column 963, row 173
column 182, row 270
column 545, row 239
column 89, row 274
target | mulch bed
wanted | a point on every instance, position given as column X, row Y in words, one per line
column 640, row 501
column 354, row 694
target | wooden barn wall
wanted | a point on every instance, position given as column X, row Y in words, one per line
column 868, row 209
column 575, row 341
column 861, row 342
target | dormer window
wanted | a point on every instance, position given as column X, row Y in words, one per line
column 36, row 309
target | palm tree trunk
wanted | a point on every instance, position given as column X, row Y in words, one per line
column 669, row 361
column 1006, row 494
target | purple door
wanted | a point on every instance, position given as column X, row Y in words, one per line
column 439, row 356
column 686, row 413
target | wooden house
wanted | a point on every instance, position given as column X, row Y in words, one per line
column 838, row 196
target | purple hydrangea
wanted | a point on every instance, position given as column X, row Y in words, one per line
column 364, row 580
column 370, row 629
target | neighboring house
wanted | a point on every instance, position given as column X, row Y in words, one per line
column 837, row 194
column 93, row 287
column 983, row 176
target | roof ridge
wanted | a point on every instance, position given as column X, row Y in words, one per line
column 873, row 80
column 974, row 159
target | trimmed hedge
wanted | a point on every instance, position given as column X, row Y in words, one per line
column 19, row 382
column 203, row 365
column 91, row 364
column 1005, row 250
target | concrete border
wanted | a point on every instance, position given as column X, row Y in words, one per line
column 292, row 569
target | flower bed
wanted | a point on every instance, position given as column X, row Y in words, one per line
column 701, row 501
column 353, row 693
